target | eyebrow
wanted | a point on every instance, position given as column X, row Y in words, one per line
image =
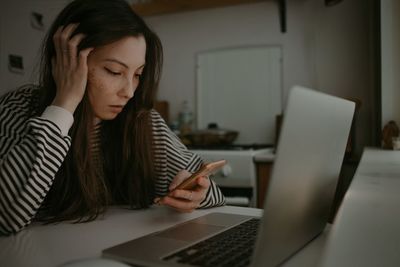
column 121, row 63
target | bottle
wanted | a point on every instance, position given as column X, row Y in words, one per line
column 185, row 118
column 174, row 126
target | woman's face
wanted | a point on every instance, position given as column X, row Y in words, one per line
column 114, row 74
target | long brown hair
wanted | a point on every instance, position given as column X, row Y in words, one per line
column 80, row 190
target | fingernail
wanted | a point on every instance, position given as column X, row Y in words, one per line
column 157, row 200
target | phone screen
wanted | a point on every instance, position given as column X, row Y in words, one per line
column 206, row 170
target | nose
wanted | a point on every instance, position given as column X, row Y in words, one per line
column 128, row 89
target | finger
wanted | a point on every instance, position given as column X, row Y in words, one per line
column 188, row 195
column 66, row 34
column 64, row 39
column 203, row 185
column 178, row 204
column 198, row 194
column 179, row 178
column 56, row 42
column 82, row 60
column 73, row 48
column 203, row 182
column 157, row 200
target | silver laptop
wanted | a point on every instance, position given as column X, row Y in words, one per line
column 306, row 169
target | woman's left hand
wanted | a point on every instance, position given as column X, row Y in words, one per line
column 185, row 200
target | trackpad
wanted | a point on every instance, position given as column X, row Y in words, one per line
column 190, row 231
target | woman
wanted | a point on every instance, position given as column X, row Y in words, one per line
column 87, row 136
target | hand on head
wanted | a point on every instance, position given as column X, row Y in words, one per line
column 69, row 67
column 185, row 200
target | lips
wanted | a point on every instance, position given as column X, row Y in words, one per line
column 116, row 108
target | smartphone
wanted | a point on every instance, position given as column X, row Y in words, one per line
column 205, row 170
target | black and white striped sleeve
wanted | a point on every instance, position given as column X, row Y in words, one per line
column 31, row 153
column 171, row 156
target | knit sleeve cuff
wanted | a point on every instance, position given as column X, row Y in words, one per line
column 60, row 116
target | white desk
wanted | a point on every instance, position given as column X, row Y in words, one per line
column 51, row 245
column 366, row 231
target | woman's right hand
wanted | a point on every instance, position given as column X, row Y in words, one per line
column 69, row 68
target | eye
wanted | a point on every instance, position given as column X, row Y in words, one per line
column 138, row 75
column 113, row 72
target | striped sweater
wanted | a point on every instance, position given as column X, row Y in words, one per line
column 32, row 149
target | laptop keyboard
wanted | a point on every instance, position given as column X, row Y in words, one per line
column 233, row 248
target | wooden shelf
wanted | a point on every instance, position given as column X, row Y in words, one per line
column 159, row 7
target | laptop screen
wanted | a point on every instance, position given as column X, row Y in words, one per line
column 310, row 152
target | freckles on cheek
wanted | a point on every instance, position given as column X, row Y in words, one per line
column 95, row 87
column 92, row 81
